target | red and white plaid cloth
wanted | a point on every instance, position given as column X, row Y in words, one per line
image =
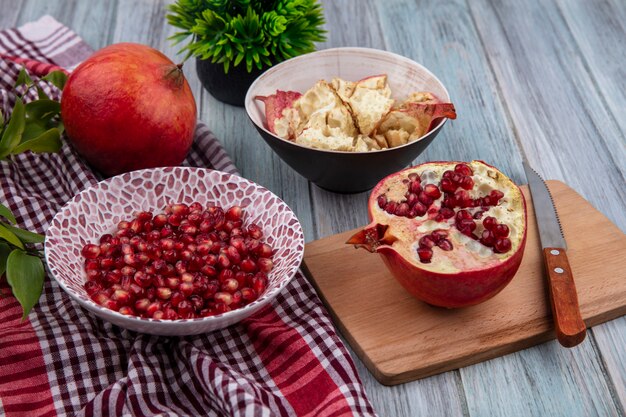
column 285, row 361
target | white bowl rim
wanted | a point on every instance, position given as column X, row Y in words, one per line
column 163, row 322
column 350, row 49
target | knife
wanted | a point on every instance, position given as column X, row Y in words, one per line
column 570, row 327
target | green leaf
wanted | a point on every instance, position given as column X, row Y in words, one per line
column 42, row 110
column 32, row 129
column 25, row 275
column 24, row 235
column 57, row 78
column 41, row 94
column 5, row 250
column 23, row 78
column 6, row 213
column 13, row 133
column 10, row 237
column 49, row 141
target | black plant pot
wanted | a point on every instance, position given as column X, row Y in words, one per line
column 228, row 88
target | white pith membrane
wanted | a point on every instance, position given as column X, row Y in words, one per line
column 468, row 253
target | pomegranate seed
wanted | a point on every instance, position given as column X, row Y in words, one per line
column 446, row 212
column 184, row 309
column 425, row 199
column 197, row 302
column 181, row 267
column 419, row 209
column 425, row 254
column 248, row 295
column 237, row 299
column 208, row 270
column 188, row 229
column 90, row 251
column 172, row 282
column 402, row 209
column 501, row 230
column 265, row 264
column 158, row 315
column 226, row 274
column 259, row 282
column 106, row 238
column 142, row 304
column 439, row 234
column 426, row 242
column 248, row 265
column 91, row 264
column 179, row 209
column 391, row 207
column 265, row 251
column 152, row 308
column 92, row 287
column 445, row 244
column 169, row 314
column 234, row 213
column 463, row 169
column 466, row 224
column 487, row 238
column 462, row 199
column 233, row 255
column 113, row 277
column 121, row 296
column 174, row 219
column 415, row 187
column 93, row 275
column 467, row 183
column 495, row 196
column 136, row 290
column 255, row 231
column 163, row 293
column 490, row 222
column 463, row 215
column 432, row 191
column 195, row 207
column 211, row 289
column 230, row 285
column 223, row 297
column 502, row 245
column 222, row 261
column 382, row 201
column 186, row 288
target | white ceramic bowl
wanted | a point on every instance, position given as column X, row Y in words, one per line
column 98, row 209
column 345, row 172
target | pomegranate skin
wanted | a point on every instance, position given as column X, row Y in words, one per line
column 443, row 289
column 129, row 107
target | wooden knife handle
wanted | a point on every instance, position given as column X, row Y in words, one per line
column 570, row 327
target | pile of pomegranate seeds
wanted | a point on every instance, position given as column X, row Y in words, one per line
column 185, row 263
column 454, row 187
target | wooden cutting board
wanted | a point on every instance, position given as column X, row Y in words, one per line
column 401, row 339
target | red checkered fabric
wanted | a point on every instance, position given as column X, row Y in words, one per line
column 285, row 361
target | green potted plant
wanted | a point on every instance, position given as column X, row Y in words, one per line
column 234, row 41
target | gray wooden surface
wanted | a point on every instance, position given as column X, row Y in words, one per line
column 535, row 79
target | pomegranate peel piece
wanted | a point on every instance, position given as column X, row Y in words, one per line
column 275, row 104
column 455, row 259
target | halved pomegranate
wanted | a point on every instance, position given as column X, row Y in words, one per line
column 452, row 233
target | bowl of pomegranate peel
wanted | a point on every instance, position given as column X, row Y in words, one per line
column 346, row 117
column 174, row 250
column 452, row 233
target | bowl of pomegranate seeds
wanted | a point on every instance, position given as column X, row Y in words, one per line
column 175, row 250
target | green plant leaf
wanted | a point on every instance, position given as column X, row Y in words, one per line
column 23, row 78
column 42, row 110
column 6, row 213
column 57, row 78
column 5, row 250
column 13, row 133
column 41, row 94
column 32, row 129
column 25, row 275
column 49, row 141
column 10, row 237
column 24, row 235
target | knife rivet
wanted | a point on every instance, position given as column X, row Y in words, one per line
column 559, row 270
column 554, row 252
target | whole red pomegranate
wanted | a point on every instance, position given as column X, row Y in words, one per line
column 452, row 233
column 129, row 107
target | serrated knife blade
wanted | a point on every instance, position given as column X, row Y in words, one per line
column 570, row 327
